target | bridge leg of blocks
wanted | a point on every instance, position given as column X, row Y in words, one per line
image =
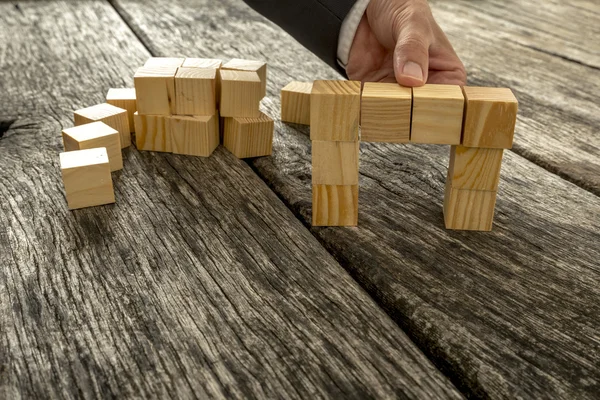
column 123, row 98
column 251, row 66
column 249, row 137
column 240, row 94
column 335, row 110
column 195, row 91
column 335, row 163
column 86, row 177
column 295, row 102
column 95, row 135
column 474, row 168
column 194, row 136
column 151, row 133
column 112, row 116
column 335, row 205
column 385, row 113
column 469, row 209
column 437, row 114
column 155, row 90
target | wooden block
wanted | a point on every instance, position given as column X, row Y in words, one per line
column 437, row 114
column 151, row 133
column 123, row 98
column 115, row 117
column 490, row 117
column 471, row 210
column 385, row 113
column 335, row 110
column 195, row 91
column 164, row 62
column 194, row 136
column 211, row 63
column 249, row 137
column 252, row 66
column 94, row 135
column 474, row 168
column 86, row 177
column 295, row 102
column 240, row 94
column 334, row 163
column 335, row 205
column 155, row 90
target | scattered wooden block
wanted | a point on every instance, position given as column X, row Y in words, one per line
column 437, row 114
column 252, row 66
column 469, row 209
column 112, row 116
column 195, row 91
column 385, row 113
column 249, row 137
column 123, row 98
column 155, row 90
column 151, row 133
column 211, row 63
column 164, row 62
column 295, row 102
column 194, row 136
column 335, row 110
column 334, row 163
column 335, row 205
column 86, row 177
column 475, row 168
column 490, row 117
column 240, row 94
column 94, row 135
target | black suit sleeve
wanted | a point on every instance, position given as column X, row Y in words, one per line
column 314, row 23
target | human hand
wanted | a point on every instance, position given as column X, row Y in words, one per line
column 399, row 40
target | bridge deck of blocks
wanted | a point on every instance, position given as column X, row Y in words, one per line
column 477, row 122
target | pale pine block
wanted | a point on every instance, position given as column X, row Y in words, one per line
column 334, row 163
column 151, row 133
column 475, row 168
column 335, row 110
column 155, row 90
column 295, row 102
column 86, row 177
column 164, row 62
column 437, row 114
column 93, row 135
column 469, row 209
column 490, row 117
column 385, row 113
column 194, row 136
column 335, row 205
column 249, row 137
column 123, row 98
column 259, row 67
column 115, row 117
column 240, row 94
column 195, row 91
column 211, row 63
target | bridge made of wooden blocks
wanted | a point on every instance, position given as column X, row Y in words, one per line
column 478, row 123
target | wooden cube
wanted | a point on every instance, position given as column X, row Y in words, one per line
column 86, row 177
column 211, row 63
column 335, row 205
column 194, row 136
column 164, row 62
column 195, row 91
column 252, row 66
column 240, row 94
column 249, row 137
column 335, row 110
column 334, row 163
column 155, row 90
column 471, row 210
column 295, row 102
column 93, row 135
column 437, row 114
column 115, row 117
column 490, row 117
column 151, row 133
column 385, row 113
column 123, row 98
column 474, row 168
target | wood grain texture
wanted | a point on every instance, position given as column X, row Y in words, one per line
column 123, row 98
column 474, row 168
column 195, row 91
column 505, row 314
column 151, row 133
column 155, row 90
column 385, row 113
column 335, row 110
column 334, row 205
column 295, row 102
column 197, row 283
column 469, row 210
column 260, row 67
column 240, row 94
column 437, row 114
column 193, row 136
column 92, row 135
column 115, row 117
column 334, row 163
column 249, row 137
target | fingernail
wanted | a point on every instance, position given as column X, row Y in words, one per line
column 413, row 69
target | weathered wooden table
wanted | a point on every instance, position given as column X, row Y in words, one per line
column 205, row 278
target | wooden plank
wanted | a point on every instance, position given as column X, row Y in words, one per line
column 505, row 314
column 197, row 283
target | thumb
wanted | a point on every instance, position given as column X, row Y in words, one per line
column 411, row 53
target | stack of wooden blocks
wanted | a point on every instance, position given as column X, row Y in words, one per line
column 477, row 122
column 174, row 108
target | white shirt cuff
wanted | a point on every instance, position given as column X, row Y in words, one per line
column 348, row 31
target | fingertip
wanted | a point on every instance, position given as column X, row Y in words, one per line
column 410, row 74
